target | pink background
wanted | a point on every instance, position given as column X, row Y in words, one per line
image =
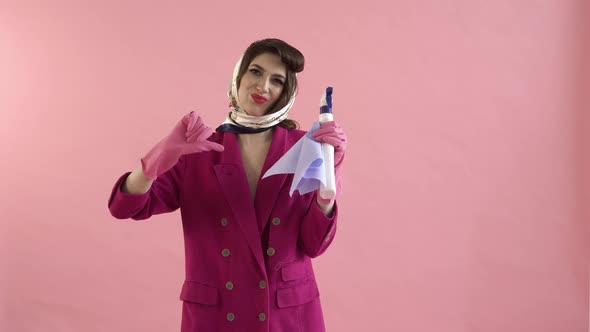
column 465, row 205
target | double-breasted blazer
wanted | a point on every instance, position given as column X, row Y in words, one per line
column 247, row 262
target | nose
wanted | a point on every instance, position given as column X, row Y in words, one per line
column 262, row 85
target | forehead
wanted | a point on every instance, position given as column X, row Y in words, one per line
column 270, row 62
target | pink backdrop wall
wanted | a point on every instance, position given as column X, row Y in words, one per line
column 465, row 205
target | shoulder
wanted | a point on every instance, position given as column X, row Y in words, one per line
column 297, row 132
column 293, row 134
column 217, row 137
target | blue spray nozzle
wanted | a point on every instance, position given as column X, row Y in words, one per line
column 326, row 102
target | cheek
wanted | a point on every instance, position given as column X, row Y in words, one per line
column 276, row 89
column 244, row 83
column 243, row 89
column 278, row 93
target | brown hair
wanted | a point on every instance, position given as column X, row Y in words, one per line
column 293, row 60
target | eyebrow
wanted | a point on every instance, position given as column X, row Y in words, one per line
column 259, row 67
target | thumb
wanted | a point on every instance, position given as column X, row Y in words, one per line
column 212, row 146
column 202, row 146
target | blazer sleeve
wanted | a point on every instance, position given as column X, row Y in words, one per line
column 163, row 196
column 317, row 231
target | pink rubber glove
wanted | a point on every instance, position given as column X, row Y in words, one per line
column 331, row 133
column 188, row 136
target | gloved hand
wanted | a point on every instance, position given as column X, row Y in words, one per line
column 188, row 136
column 331, row 133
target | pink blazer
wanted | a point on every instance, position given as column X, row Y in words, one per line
column 235, row 281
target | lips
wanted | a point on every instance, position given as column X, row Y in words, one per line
column 258, row 99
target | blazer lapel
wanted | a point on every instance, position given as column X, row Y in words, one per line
column 268, row 189
column 232, row 179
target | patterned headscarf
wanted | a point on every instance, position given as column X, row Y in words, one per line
column 238, row 121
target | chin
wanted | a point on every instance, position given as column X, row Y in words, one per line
column 256, row 110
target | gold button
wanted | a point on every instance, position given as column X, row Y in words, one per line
column 276, row 221
column 262, row 316
column 223, row 222
column 229, row 285
column 270, row 251
column 230, row 316
column 262, row 284
column 225, row 252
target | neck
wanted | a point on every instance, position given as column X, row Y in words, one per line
column 256, row 138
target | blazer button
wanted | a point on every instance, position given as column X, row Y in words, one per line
column 270, row 251
column 225, row 252
column 262, row 316
column 223, row 222
column 276, row 221
column 262, row 284
column 229, row 285
column 230, row 316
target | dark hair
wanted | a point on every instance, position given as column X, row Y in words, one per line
column 293, row 60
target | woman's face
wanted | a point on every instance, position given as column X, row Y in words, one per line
column 262, row 84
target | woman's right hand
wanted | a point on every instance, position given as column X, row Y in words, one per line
column 188, row 136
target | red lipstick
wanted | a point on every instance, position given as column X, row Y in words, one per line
column 258, row 99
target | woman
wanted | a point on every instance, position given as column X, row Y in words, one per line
column 248, row 244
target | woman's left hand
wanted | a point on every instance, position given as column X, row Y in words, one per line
column 331, row 133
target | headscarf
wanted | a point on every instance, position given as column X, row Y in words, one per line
column 238, row 121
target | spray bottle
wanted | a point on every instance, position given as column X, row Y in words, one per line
column 328, row 190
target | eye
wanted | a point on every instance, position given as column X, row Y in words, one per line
column 279, row 82
column 255, row 71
